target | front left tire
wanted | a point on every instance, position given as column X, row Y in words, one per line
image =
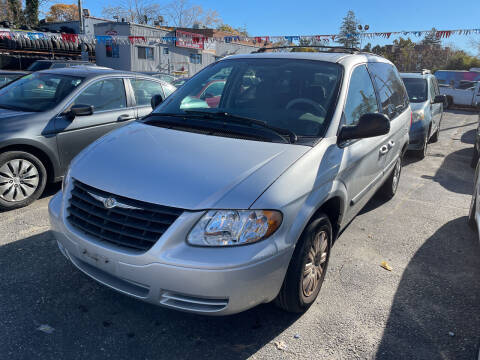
column 307, row 268
column 22, row 179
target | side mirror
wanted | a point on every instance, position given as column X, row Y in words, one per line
column 440, row 99
column 79, row 110
column 369, row 125
column 156, row 100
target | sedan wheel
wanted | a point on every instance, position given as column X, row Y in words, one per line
column 22, row 179
column 19, row 179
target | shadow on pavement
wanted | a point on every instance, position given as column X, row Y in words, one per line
column 455, row 173
column 39, row 286
column 438, row 290
column 469, row 136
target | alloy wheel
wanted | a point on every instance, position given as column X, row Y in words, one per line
column 19, row 179
column 315, row 264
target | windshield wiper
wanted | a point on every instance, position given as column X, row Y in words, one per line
column 218, row 115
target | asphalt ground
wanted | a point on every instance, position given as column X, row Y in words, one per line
column 427, row 307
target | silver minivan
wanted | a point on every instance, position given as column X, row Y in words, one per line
column 217, row 202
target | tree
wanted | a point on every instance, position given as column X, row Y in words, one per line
column 348, row 35
column 178, row 13
column 31, row 12
column 432, row 39
column 62, row 12
column 367, row 48
column 15, row 9
column 230, row 29
column 137, row 11
column 181, row 13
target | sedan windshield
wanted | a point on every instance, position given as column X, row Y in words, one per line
column 291, row 94
column 416, row 89
column 38, row 91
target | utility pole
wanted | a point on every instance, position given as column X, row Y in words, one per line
column 84, row 53
column 80, row 17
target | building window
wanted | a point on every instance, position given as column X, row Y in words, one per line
column 112, row 50
column 166, row 51
column 196, row 58
column 145, row 53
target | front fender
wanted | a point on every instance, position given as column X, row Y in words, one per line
column 47, row 148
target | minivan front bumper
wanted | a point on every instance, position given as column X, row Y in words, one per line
column 213, row 291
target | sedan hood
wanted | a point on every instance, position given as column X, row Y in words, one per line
column 183, row 169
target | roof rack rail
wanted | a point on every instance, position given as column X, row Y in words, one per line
column 350, row 50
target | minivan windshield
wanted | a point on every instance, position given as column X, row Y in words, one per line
column 416, row 89
column 291, row 94
column 37, row 91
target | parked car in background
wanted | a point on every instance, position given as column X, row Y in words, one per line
column 55, row 64
column 162, row 76
column 209, row 95
column 48, row 117
column 216, row 209
column 7, row 76
column 462, row 88
column 427, row 107
column 179, row 82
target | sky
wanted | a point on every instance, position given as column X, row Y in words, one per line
column 311, row 17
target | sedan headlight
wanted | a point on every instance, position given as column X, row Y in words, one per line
column 418, row 115
column 234, row 227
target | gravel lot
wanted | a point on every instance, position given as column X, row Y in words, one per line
column 428, row 307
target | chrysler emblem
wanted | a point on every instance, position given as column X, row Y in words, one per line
column 109, row 203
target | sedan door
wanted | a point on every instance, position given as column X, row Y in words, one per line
column 110, row 110
column 143, row 91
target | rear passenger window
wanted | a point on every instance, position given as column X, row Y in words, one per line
column 361, row 96
column 144, row 90
column 393, row 97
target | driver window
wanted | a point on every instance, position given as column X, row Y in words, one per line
column 361, row 97
column 104, row 95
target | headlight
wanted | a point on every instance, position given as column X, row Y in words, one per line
column 418, row 115
column 234, row 227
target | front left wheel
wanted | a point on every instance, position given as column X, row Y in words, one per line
column 307, row 268
column 22, row 179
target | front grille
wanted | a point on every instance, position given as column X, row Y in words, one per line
column 130, row 224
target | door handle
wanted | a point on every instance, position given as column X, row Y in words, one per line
column 391, row 144
column 124, row 117
column 384, row 149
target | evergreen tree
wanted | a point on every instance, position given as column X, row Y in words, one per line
column 15, row 7
column 31, row 12
column 432, row 39
column 348, row 31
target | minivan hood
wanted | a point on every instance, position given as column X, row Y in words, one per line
column 6, row 113
column 183, row 169
column 418, row 106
